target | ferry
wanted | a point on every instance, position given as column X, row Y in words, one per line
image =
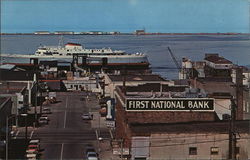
column 67, row 51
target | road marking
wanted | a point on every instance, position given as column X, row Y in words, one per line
column 62, row 151
column 65, row 116
column 31, row 134
column 66, row 102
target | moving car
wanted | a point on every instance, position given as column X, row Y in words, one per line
column 91, row 153
column 92, row 156
column 87, row 116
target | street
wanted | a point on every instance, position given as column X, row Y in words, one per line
column 67, row 135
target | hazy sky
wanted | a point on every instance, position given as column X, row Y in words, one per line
column 125, row 15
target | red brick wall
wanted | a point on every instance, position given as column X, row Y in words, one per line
column 124, row 118
column 122, row 128
column 169, row 117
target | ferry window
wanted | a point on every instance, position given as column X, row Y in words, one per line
column 71, row 86
column 192, row 150
column 140, row 158
column 214, row 151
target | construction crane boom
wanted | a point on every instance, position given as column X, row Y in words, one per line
column 174, row 59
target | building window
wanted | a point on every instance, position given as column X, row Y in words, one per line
column 20, row 102
column 214, row 150
column 237, row 151
column 192, row 150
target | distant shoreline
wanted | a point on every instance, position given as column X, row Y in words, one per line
column 126, row 34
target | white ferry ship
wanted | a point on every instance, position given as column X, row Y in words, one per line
column 93, row 55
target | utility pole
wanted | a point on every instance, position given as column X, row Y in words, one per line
column 121, row 149
column 124, row 74
column 7, row 138
column 232, row 134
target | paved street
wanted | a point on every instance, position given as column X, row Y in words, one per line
column 67, row 135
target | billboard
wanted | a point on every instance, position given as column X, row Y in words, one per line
column 170, row 104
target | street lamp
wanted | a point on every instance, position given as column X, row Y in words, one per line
column 26, row 128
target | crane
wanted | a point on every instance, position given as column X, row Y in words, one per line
column 174, row 59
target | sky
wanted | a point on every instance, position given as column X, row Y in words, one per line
column 165, row 16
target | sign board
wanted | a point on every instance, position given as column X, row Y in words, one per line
column 170, row 104
column 117, row 151
column 110, row 124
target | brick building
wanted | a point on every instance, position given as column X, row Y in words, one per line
column 156, row 92
column 162, row 134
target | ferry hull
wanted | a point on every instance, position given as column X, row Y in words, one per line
column 5, row 58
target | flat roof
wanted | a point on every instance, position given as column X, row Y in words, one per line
column 11, row 87
column 217, row 59
column 2, row 100
column 191, row 127
column 146, row 77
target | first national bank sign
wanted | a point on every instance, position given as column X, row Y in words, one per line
column 171, row 104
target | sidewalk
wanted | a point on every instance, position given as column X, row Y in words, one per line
column 106, row 152
column 98, row 122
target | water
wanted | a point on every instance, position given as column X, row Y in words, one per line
column 233, row 47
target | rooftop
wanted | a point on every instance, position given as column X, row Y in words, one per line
column 2, row 100
column 215, row 58
column 11, row 87
column 147, row 77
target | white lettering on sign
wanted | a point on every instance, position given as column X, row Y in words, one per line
column 170, row 104
column 167, row 104
column 138, row 104
column 198, row 104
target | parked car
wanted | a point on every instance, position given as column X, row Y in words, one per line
column 87, row 116
column 32, row 149
column 44, row 117
column 42, row 121
column 31, row 156
column 46, row 111
column 35, row 142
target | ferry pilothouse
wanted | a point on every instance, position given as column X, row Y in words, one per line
column 93, row 55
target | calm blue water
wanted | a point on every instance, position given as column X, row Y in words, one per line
column 233, row 47
column 178, row 16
